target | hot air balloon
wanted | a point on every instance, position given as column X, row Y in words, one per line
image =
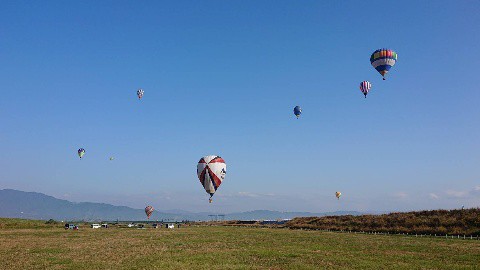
column 112, row 158
column 297, row 111
column 140, row 93
column 365, row 87
column 81, row 152
column 149, row 211
column 382, row 60
column 338, row 194
column 211, row 172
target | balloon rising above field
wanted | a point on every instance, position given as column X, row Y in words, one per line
column 149, row 211
column 211, row 171
column 338, row 194
column 383, row 60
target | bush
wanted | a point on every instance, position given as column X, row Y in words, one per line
column 51, row 221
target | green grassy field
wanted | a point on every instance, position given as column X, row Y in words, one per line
column 226, row 248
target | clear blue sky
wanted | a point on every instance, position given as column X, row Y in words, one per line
column 222, row 77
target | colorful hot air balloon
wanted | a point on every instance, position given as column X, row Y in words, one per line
column 211, row 172
column 338, row 194
column 140, row 93
column 149, row 211
column 365, row 87
column 81, row 152
column 382, row 60
column 297, row 111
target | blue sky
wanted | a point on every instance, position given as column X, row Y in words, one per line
column 222, row 77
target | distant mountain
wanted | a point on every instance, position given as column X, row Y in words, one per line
column 33, row 205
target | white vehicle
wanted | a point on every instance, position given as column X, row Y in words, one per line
column 105, row 225
column 131, row 225
column 170, row 226
column 95, row 226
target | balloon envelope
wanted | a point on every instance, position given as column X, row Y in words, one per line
column 149, row 211
column 383, row 60
column 81, row 152
column 338, row 194
column 211, row 171
column 297, row 111
column 365, row 87
column 140, row 93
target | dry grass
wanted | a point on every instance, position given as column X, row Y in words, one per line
column 227, row 248
column 458, row 222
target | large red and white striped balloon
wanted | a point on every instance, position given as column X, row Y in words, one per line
column 149, row 211
column 365, row 87
column 211, row 171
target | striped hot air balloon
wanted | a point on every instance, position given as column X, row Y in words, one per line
column 382, row 60
column 149, row 211
column 365, row 87
column 81, row 152
column 338, row 194
column 211, row 171
column 140, row 93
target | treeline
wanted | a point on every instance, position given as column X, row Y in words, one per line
column 440, row 222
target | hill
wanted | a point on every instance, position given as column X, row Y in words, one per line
column 460, row 222
column 33, row 205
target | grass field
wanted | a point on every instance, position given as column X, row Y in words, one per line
column 226, row 248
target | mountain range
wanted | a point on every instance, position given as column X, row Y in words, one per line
column 33, row 205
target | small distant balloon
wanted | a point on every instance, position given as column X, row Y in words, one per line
column 338, row 194
column 140, row 93
column 365, row 87
column 149, row 211
column 297, row 111
column 81, row 152
column 383, row 60
column 112, row 158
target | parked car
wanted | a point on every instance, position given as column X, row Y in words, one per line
column 95, row 226
column 131, row 225
column 105, row 225
column 70, row 226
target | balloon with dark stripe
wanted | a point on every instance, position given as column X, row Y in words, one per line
column 211, row 171
column 365, row 87
column 149, row 211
